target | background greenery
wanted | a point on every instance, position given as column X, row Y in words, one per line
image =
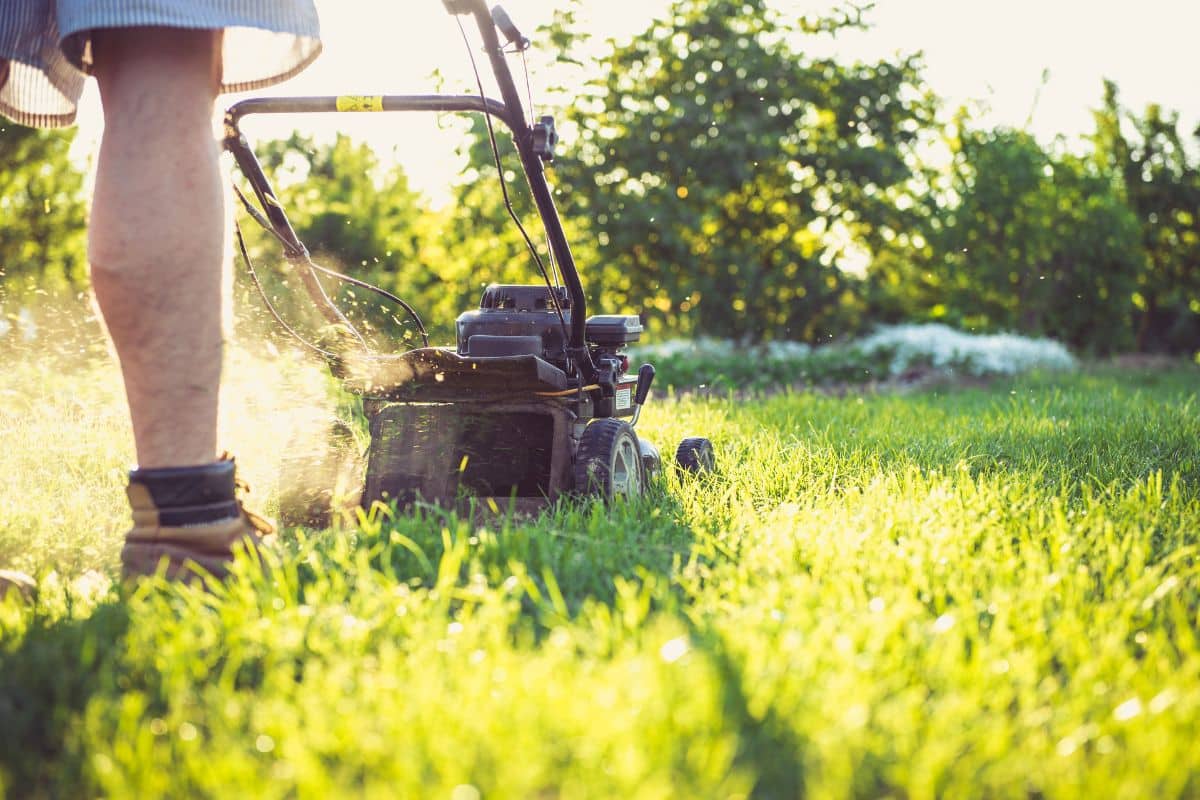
column 719, row 181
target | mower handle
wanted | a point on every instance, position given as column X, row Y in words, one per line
column 534, row 169
column 509, row 29
column 509, row 110
column 499, row 16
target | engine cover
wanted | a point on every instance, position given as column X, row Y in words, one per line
column 513, row 320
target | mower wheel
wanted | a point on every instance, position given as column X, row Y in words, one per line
column 695, row 455
column 651, row 460
column 609, row 462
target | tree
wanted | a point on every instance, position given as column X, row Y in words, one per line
column 1025, row 239
column 1160, row 177
column 42, row 240
column 728, row 178
column 358, row 218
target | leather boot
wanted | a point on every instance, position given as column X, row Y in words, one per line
column 189, row 520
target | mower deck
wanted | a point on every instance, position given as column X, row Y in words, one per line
column 439, row 373
column 499, row 449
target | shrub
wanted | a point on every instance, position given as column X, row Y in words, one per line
column 891, row 352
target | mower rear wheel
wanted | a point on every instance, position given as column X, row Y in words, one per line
column 695, row 454
column 608, row 463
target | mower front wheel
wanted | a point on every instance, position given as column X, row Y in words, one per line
column 695, row 455
column 608, row 463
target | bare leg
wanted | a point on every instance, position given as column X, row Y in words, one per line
column 157, row 234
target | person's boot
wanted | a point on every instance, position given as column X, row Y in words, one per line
column 189, row 517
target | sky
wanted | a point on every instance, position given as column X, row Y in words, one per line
column 997, row 51
column 990, row 54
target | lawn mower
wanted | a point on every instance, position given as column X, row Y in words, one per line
column 535, row 401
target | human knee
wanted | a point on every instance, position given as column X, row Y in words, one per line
column 152, row 71
column 114, row 275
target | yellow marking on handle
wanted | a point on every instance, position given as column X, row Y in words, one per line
column 356, row 102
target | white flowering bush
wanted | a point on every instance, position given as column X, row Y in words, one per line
column 895, row 351
column 940, row 347
column 688, row 348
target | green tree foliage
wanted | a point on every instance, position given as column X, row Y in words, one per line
column 1161, row 178
column 363, row 219
column 483, row 242
column 725, row 175
column 1023, row 239
column 357, row 217
column 42, row 239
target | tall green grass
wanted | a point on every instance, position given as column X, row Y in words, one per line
column 986, row 591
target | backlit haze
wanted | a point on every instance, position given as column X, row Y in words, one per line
column 989, row 54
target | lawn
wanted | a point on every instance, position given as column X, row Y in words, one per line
column 990, row 590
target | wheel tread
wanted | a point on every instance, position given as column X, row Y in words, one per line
column 695, row 454
column 591, row 469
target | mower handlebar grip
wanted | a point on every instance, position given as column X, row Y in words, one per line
column 645, row 378
column 509, row 28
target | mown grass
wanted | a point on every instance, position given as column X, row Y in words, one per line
column 957, row 592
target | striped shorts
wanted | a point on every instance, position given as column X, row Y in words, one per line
column 45, row 51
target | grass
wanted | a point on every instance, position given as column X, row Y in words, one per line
column 964, row 591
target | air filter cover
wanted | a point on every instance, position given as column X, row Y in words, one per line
column 613, row 330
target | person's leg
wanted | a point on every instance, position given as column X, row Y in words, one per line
column 157, row 245
column 157, row 234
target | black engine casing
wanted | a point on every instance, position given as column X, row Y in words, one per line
column 516, row 320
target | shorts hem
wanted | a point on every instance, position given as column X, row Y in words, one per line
column 37, row 120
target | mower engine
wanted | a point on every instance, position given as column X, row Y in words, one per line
column 524, row 320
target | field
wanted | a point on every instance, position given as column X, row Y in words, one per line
column 986, row 590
